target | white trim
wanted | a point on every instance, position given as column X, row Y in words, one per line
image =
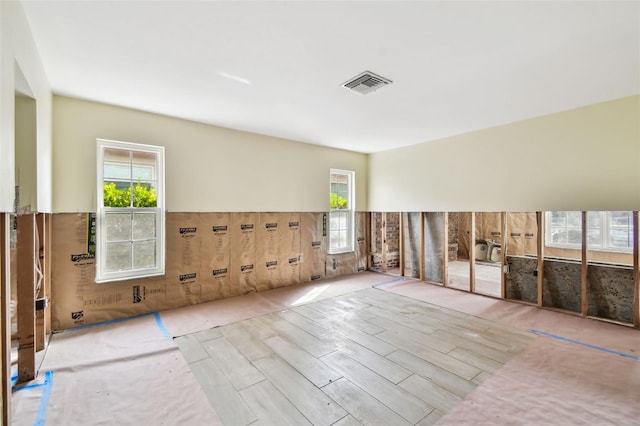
column 102, row 276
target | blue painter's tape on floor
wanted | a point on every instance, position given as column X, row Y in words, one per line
column 113, row 321
column 388, row 282
column 161, row 326
column 14, row 380
column 599, row 348
column 44, row 399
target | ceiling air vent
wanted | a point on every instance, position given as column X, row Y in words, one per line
column 366, row 82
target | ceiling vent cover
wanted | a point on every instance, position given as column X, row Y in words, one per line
column 366, row 82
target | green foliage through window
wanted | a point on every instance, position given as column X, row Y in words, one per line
column 338, row 202
column 143, row 196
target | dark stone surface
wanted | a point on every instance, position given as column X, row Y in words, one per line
column 611, row 292
column 562, row 287
column 522, row 284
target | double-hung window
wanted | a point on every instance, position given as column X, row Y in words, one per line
column 606, row 230
column 341, row 215
column 130, row 211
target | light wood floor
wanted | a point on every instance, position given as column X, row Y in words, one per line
column 368, row 357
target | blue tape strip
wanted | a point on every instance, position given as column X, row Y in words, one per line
column 161, row 326
column 14, row 380
column 564, row 339
column 388, row 282
column 32, row 386
column 113, row 321
column 163, row 329
column 44, row 399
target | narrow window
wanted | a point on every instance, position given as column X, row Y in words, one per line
column 130, row 211
column 341, row 215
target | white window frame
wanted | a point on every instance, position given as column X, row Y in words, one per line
column 605, row 242
column 102, row 274
column 349, row 211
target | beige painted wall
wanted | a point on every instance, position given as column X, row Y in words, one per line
column 207, row 168
column 21, row 69
column 25, row 152
column 583, row 159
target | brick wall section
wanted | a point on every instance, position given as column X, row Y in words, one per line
column 454, row 228
column 393, row 240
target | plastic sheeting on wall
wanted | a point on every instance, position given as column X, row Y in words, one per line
column 209, row 256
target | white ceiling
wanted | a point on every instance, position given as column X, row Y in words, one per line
column 276, row 68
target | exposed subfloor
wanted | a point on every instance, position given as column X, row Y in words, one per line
column 402, row 352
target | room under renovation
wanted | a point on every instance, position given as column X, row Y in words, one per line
column 221, row 213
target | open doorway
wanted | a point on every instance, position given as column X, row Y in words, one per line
column 24, row 247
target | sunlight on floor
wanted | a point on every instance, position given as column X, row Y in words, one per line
column 311, row 295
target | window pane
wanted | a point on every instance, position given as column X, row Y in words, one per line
column 623, row 219
column 334, row 221
column 594, row 229
column 144, row 254
column 334, row 239
column 143, row 165
column 118, row 257
column 144, row 226
column 118, row 226
column 343, row 220
column 342, row 239
column 620, row 230
column 116, row 194
column 593, row 219
column 117, row 164
column 566, row 228
column 558, row 219
column 144, row 194
column 574, row 219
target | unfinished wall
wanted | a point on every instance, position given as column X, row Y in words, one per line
column 434, row 246
column 522, row 279
column 210, row 256
column 411, row 225
column 453, row 220
column 609, row 287
column 208, row 168
column 610, row 291
column 392, row 237
column 582, row 159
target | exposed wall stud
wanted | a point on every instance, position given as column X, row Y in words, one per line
column 372, row 239
column 472, row 254
column 5, row 319
column 636, row 277
column 584, row 275
column 384, row 247
column 401, row 242
column 422, row 249
column 26, row 298
column 540, row 244
column 445, row 257
column 503, row 257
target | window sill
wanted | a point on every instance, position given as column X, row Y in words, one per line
column 345, row 251
column 108, row 280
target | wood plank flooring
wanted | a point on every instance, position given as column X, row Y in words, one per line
column 368, row 357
